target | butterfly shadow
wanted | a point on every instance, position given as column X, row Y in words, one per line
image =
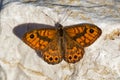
column 21, row 29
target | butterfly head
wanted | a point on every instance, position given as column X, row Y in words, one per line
column 58, row 25
column 59, row 28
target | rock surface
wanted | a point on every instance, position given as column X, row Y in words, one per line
column 101, row 60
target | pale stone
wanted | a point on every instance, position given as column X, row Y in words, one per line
column 101, row 60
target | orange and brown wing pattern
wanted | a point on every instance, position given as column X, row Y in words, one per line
column 52, row 53
column 83, row 34
column 38, row 39
column 73, row 51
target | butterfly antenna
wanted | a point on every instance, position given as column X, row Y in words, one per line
column 49, row 16
column 65, row 17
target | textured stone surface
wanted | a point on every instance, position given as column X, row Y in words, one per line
column 100, row 62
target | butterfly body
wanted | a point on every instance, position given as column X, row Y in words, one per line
column 57, row 43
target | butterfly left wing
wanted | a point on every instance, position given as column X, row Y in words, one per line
column 52, row 53
column 38, row 39
column 46, row 41
column 84, row 34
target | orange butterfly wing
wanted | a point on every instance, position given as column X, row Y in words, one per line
column 38, row 39
column 52, row 54
column 46, row 41
column 84, row 34
column 73, row 51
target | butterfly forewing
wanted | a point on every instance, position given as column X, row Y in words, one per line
column 38, row 39
column 83, row 34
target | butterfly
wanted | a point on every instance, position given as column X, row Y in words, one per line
column 58, row 43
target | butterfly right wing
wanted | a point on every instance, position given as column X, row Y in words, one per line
column 73, row 51
column 84, row 34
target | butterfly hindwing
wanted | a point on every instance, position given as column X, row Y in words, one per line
column 52, row 54
column 73, row 52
